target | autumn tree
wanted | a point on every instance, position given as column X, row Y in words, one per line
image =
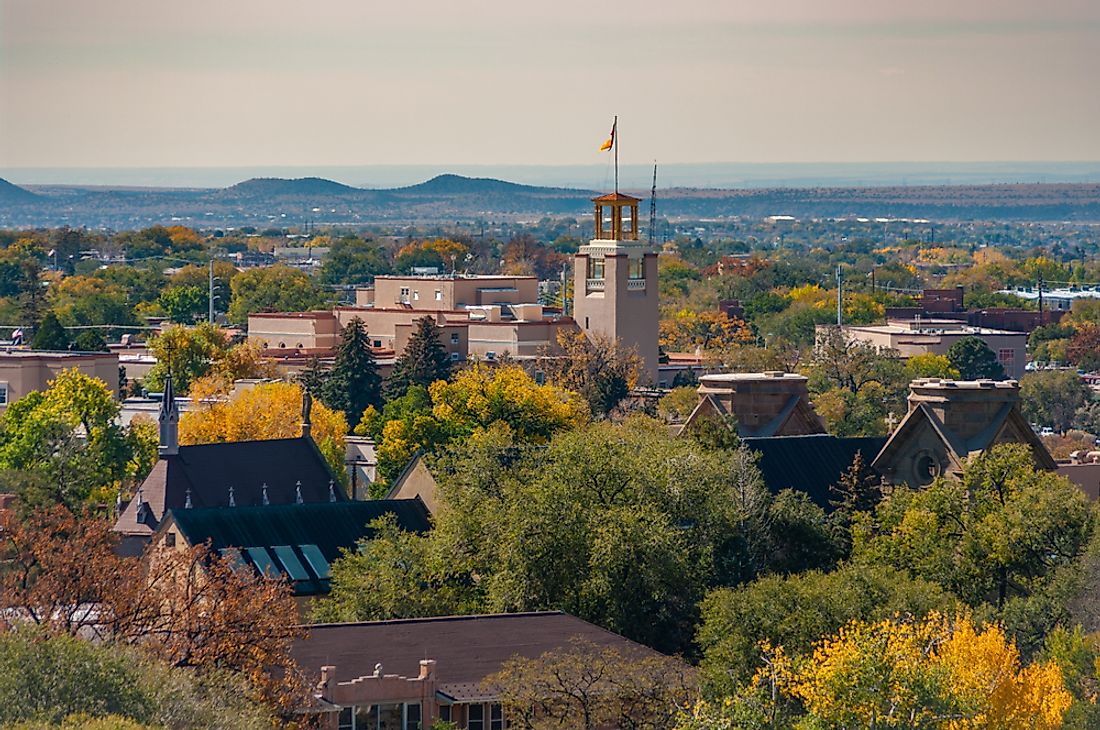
column 1084, row 347
column 204, row 349
column 687, row 331
column 64, row 444
column 423, row 361
column 930, row 672
column 856, row 385
column 930, row 365
column 264, row 411
column 353, row 383
column 601, row 371
column 190, row 608
column 974, row 359
column 585, row 686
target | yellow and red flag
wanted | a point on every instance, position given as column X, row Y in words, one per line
column 611, row 139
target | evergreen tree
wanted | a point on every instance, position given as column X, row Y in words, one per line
column 89, row 341
column 353, row 383
column 423, row 362
column 50, row 335
column 974, row 360
column 313, row 377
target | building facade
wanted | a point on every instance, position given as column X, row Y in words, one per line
column 25, row 371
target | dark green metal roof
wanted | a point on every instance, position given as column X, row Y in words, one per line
column 810, row 464
column 300, row 531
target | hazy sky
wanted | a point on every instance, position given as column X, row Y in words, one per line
column 355, row 82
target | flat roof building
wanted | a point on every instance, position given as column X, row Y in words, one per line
column 25, row 371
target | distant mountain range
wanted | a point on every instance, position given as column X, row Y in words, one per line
column 282, row 202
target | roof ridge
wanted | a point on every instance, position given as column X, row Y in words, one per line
column 427, row 619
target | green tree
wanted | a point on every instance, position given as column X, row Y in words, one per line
column 50, row 335
column 89, row 341
column 795, row 611
column 998, row 534
column 68, row 438
column 351, row 260
column 1053, row 398
column 856, row 384
column 184, row 304
column 423, row 361
column 353, row 383
column 619, row 524
column 974, row 359
column 272, row 289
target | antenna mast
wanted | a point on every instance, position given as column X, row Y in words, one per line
column 615, row 147
column 653, row 207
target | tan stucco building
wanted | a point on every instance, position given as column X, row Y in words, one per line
column 917, row 337
column 25, row 371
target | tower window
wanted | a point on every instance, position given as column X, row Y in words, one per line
column 595, row 267
column 637, row 269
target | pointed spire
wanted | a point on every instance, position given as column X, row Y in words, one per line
column 307, row 406
column 331, row 491
column 187, row 499
column 264, row 495
column 298, row 492
column 169, row 419
column 232, row 498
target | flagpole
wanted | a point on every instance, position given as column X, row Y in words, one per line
column 615, row 144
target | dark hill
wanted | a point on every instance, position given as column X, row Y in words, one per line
column 450, row 184
column 10, row 193
column 277, row 187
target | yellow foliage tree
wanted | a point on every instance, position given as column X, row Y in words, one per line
column 687, row 330
column 265, row 411
column 932, row 672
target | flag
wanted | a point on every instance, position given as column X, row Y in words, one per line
column 611, row 139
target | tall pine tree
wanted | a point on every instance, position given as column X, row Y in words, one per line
column 50, row 335
column 353, row 383
column 423, row 362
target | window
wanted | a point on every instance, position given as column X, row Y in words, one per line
column 439, row 295
column 412, row 717
column 637, row 269
column 170, row 539
column 454, row 338
column 346, row 718
column 1007, row 357
column 416, row 295
column 445, row 713
column 404, row 291
column 455, row 356
column 595, row 267
column 476, row 718
column 496, row 717
column 378, row 343
column 3, row 394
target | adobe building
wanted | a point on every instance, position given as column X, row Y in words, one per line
column 948, row 422
column 615, row 282
column 921, row 336
column 26, row 371
column 771, row 403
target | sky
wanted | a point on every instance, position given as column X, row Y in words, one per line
column 148, row 83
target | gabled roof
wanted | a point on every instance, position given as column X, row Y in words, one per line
column 205, row 472
column 811, row 463
column 466, row 648
column 1006, row 426
column 616, row 198
column 263, row 536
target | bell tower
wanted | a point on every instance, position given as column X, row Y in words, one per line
column 615, row 282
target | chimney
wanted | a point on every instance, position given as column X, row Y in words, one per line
column 965, row 407
column 427, row 668
column 764, row 404
column 169, row 420
column 307, row 406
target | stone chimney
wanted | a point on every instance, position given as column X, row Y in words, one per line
column 771, row 403
column 427, row 668
column 965, row 407
column 169, row 420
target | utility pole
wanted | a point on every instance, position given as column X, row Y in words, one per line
column 210, row 295
column 1040, row 299
column 653, row 208
column 839, row 296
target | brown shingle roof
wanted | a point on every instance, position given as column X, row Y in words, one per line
column 466, row 648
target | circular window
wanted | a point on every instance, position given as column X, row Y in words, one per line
column 926, row 467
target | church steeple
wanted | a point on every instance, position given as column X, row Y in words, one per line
column 169, row 420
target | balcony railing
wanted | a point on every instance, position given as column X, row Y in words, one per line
column 635, row 284
column 595, row 284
